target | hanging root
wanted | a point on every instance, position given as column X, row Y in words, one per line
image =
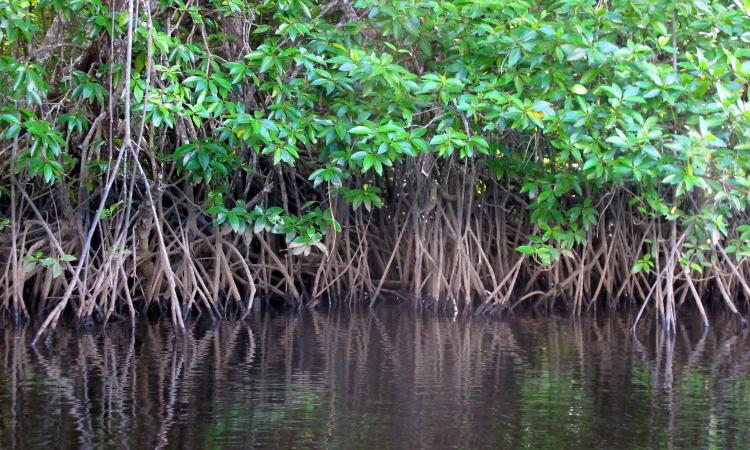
column 434, row 243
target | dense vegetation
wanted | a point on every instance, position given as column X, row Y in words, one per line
column 192, row 155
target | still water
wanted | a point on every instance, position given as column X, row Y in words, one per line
column 384, row 379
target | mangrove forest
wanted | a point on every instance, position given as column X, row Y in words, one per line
column 204, row 158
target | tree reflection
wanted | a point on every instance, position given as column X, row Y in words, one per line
column 390, row 378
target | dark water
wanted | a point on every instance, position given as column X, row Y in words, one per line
column 388, row 379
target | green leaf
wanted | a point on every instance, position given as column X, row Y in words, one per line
column 49, row 174
column 579, row 89
column 360, row 130
column 439, row 139
column 576, row 54
column 234, row 221
column 526, row 249
column 266, row 64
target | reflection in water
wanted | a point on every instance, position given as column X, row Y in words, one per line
column 388, row 379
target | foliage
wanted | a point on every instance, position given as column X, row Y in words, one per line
column 567, row 102
column 31, row 261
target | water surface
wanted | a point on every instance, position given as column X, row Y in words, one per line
column 385, row 379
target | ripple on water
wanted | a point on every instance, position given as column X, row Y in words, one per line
column 389, row 379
